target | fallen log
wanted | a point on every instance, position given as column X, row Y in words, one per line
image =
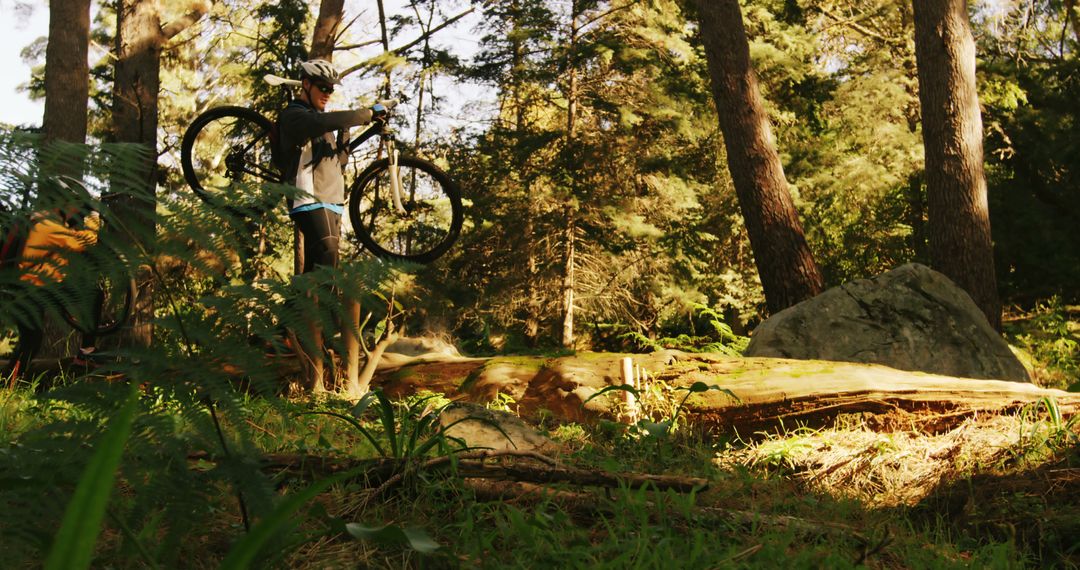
column 772, row 392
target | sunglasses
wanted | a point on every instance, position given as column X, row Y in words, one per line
column 324, row 87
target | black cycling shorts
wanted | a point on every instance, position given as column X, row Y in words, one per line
column 322, row 234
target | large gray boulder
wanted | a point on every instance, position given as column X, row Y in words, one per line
column 910, row 318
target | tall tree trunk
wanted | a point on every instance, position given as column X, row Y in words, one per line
column 140, row 39
column 515, row 85
column 1072, row 13
column 67, row 90
column 787, row 269
column 957, row 210
column 917, row 216
column 570, row 152
column 67, row 73
column 135, row 120
column 532, row 277
column 568, row 285
column 386, row 46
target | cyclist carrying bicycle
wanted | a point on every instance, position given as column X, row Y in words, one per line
column 54, row 234
column 313, row 160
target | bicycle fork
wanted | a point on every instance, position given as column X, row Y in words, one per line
column 395, row 177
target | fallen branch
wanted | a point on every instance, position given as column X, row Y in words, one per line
column 588, row 505
column 473, row 464
column 585, row 477
column 448, row 459
column 379, row 470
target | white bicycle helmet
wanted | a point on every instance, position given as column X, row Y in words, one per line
column 319, row 69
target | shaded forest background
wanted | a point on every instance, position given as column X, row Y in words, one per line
column 585, row 137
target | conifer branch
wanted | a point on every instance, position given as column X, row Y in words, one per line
column 852, row 24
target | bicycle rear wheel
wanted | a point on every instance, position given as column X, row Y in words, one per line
column 430, row 223
column 226, row 156
column 117, row 300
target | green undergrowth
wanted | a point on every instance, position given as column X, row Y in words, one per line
column 1048, row 337
column 178, row 499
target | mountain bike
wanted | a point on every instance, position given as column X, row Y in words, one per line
column 399, row 207
column 116, row 297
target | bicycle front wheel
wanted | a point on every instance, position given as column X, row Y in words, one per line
column 427, row 224
column 226, row 156
column 117, row 298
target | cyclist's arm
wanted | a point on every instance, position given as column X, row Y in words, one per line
column 303, row 124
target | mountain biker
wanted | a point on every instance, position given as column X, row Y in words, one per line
column 314, row 159
column 55, row 232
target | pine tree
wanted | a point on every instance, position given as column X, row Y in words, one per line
column 960, row 243
column 787, row 268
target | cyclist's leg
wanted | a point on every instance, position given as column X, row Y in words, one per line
column 89, row 339
column 322, row 237
column 31, row 336
column 322, row 234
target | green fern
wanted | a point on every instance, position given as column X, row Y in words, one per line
column 220, row 296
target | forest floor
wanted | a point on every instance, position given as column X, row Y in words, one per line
column 996, row 491
column 996, row 486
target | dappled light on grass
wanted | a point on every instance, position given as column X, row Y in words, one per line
column 901, row 468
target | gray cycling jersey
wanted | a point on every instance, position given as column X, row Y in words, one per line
column 310, row 154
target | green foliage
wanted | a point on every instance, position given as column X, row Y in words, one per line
column 79, row 529
column 211, row 327
column 717, row 335
column 410, row 430
column 633, row 172
column 1028, row 80
column 1050, row 333
column 657, row 419
column 1044, row 434
column 279, row 49
column 283, row 518
column 636, row 173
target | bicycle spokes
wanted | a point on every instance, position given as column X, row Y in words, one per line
column 409, row 215
column 226, row 157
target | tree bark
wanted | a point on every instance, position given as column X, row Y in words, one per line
column 571, row 92
column 787, row 269
column 140, row 39
column 67, row 72
column 957, row 210
column 67, row 90
column 326, row 29
column 135, row 120
column 568, row 285
column 1073, row 15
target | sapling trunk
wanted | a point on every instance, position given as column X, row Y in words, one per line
column 350, row 332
